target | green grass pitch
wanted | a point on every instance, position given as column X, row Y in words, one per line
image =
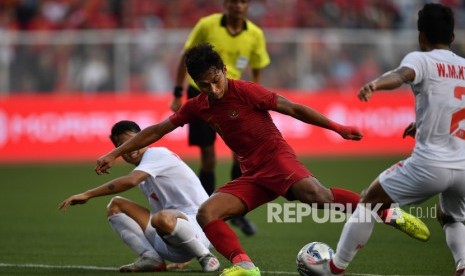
column 37, row 239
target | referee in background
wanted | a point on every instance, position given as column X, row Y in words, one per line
column 241, row 44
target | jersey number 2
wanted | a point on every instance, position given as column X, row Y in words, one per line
column 458, row 116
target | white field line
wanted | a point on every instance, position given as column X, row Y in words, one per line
column 90, row 267
column 85, row 267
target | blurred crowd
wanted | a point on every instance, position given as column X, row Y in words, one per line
column 35, row 15
column 91, row 68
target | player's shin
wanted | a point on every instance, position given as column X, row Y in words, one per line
column 455, row 238
column 348, row 198
column 183, row 235
column 354, row 236
column 131, row 233
column 226, row 242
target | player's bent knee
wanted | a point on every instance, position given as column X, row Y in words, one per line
column 202, row 217
column 323, row 196
column 205, row 215
column 312, row 192
column 114, row 206
column 164, row 222
column 376, row 194
column 320, row 197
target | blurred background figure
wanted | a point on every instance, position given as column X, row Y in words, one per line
column 93, row 72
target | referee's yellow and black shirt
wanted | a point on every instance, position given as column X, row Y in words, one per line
column 248, row 48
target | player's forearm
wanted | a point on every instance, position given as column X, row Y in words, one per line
column 114, row 186
column 313, row 117
column 302, row 113
column 310, row 116
column 144, row 138
column 388, row 81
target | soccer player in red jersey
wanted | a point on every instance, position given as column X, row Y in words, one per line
column 239, row 111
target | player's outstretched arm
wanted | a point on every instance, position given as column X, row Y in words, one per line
column 311, row 116
column 144, row 138
column 388, row 81
column 114, row 186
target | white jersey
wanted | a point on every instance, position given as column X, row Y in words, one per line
column 171, row 184
column 439, row 88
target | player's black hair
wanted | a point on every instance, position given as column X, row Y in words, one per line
column 200, row 58
column 123, row 127
column 437, row 23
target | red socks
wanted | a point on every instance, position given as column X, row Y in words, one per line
column 334, row 269
column 225, row 241
column 385, row 215
column 345, row 197
column 240, row 258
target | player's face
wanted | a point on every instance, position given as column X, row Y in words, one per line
column 236, row 9
column 213, row 83
column 132, row 157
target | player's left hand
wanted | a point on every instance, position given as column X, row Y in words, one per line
column 104, row 163
column 366, row 91
column 73, row 200
column 351, row 133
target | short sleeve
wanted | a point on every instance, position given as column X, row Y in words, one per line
column 154, row 162
column 259, row 97
column 184, row 115
column 415, row 61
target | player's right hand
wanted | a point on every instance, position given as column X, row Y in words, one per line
column 176, row 104
column 351, row 133
column 104, row 163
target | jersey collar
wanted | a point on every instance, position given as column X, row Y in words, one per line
column 223, row 23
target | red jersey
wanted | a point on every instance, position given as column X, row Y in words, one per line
column 242, row 119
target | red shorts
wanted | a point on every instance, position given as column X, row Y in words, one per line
column 270, row 180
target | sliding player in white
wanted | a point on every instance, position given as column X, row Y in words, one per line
column 170, row 230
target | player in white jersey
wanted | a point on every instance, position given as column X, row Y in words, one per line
column 169, row 231
column 437, row 165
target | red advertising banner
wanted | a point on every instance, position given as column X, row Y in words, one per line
column 57, row 128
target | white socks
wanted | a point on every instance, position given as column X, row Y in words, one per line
column 131, row 233
column 354, row 236
column 455, row 239
column 183, row 235
column 358, row 230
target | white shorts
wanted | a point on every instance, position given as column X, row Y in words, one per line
column 408, row 182
column 171, row 253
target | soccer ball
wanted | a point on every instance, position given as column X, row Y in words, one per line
column 312, row 258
